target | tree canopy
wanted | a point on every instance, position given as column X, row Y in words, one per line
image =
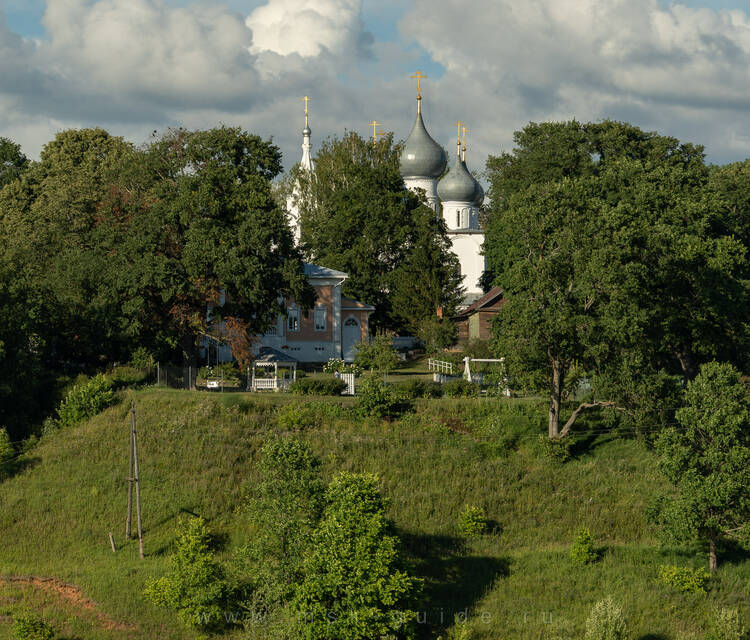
column 359, row 217
column 613, row 253
column 12, row 161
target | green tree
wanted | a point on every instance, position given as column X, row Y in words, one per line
column 354, row 588
column 358, row 216
column 195, row 586
column 284, row 509
column 195, row 226
column 12, row 161
column 49, row 220
column 707, row 459
column 377, row 355
column 606, row 243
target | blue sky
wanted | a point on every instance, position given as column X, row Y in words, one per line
column 495, row 64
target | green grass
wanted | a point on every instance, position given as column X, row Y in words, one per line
column 198, row 450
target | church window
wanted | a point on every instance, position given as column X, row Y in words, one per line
column 458, row 219
column 292, row 320
column 320, row 318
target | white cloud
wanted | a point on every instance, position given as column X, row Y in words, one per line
column 148, row 48
column 307, row 27
column 681, row 70
column 135, row 65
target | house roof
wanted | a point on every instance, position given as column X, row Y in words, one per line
column 316, row 271
column 269, row 355
column 487, row 301
column 348, row 303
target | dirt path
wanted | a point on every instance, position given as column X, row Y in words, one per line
column 71, row 594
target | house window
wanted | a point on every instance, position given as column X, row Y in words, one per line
column 292, row 320
column 320, row 319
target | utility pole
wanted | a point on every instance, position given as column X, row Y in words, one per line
column 134, row 478
column 129, row 520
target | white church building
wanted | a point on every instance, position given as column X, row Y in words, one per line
column 457, row 196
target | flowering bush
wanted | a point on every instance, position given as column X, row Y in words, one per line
column 337, row 365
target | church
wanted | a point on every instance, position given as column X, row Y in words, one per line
column 455, row 195
column 338, row 324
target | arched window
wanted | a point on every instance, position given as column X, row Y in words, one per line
column 458, row 219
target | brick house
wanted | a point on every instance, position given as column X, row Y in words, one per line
column 331, row 329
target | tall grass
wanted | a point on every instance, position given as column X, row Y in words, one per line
column 199, row 451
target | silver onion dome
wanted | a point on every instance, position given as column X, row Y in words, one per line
column 421, row 156
column 458, row 185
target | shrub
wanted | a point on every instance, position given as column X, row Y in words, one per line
column 472, row 522
column 297, row 416
column 337, row 365
column 142, row 358
column 195, row 587
column 6, row 453
column 354, row 585
column 128, row 376
column 684, row 579
column 556, row 449
column 85, row 401
column 606, row 622
column 460, row 389
column 377, row 355
column 726, row 624
column 582, row 550
column 378, row 399
column 28, row 626
column 416, row 388
column 318, row 387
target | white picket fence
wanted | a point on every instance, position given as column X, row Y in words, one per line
column 440, row 366
column 348, row 379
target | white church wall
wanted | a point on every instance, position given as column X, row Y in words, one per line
column 468, row 248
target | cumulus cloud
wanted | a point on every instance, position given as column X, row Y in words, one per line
column 681, row 70
column 308, row 27
column 136, row 65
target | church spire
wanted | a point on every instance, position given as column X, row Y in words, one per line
column 307, row 161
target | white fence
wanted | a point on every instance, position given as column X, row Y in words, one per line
column 348, row 379
column 440, row 366
column 269, row 384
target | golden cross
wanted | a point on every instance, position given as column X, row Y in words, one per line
column 306, row 99
column 419, row 77
column 458, row 125
column 464, row 130
column 374, row 124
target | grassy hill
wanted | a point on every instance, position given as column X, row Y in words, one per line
column 199, row 450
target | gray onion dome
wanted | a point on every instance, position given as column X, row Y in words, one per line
column 421, row 156
column 458, row 185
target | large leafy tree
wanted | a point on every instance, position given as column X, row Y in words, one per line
column 48, row 221
column 193, row 224
column 610, row 247
column 358, row 217
column 706, row 456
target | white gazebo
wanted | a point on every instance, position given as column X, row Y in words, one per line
column 267, row 358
